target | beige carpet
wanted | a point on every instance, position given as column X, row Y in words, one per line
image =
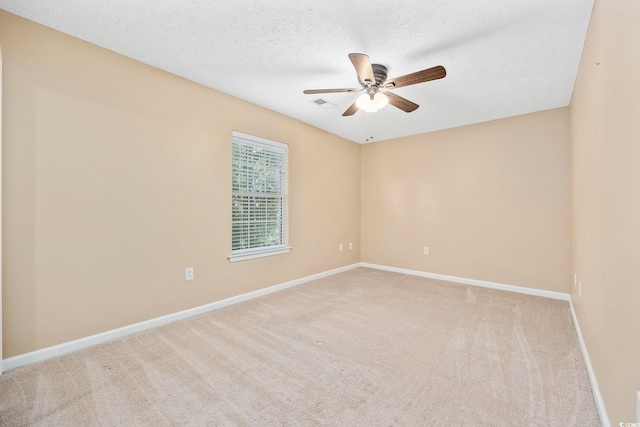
column 362, row 348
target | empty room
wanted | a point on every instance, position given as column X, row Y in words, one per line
column 301, row 213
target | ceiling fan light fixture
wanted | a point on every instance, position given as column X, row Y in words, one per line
column 381, row 100
column 370, row 102
column 366, row 102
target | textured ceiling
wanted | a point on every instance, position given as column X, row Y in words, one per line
column 503, row 57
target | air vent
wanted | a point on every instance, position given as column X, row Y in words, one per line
column 324, row 104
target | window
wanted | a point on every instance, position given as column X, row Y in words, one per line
column 259, row 198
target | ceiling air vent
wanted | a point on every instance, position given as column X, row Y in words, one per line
column 324, row 104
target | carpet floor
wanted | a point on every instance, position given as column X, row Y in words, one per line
column 360, row 348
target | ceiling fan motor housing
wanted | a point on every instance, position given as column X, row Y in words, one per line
column 380, row 74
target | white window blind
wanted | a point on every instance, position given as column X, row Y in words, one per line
column 259, row 192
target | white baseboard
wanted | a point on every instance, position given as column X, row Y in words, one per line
column 71, row 346
column 481, row 283
column 592, row 376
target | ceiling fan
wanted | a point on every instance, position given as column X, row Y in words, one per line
column 376, row 87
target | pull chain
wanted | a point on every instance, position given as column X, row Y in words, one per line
column 368, row 130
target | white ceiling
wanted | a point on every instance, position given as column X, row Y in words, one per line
column 503, row 57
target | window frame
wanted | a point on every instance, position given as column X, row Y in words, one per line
column 282, row 247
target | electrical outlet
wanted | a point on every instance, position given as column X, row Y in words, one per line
column 188, row 273
column 350, row 245
column 425, row 250
column 340, row 247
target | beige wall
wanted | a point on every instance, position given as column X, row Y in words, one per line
column 1, row 368
column 117, row 176
column 491, row 201
column 605, row 140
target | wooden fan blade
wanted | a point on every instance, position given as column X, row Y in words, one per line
column 401, row 103
column 362, row 64
column 313, row 91
column 351, row 110
column 418, row 77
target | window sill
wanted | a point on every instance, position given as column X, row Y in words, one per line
column 243, row 256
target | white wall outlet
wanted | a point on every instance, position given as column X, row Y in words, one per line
column 425, row 250
column 579, row 288
column 340, row 247
column 350, row 245
column 575, row 279
column 188, row 273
